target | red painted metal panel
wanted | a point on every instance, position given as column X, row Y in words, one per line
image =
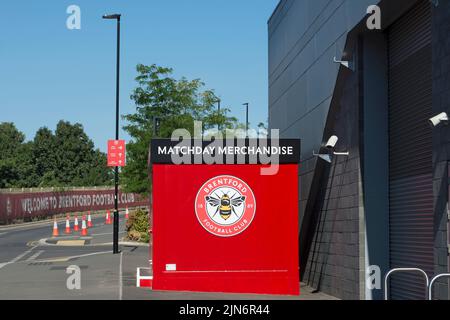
column 116, row 153
column 261, row 259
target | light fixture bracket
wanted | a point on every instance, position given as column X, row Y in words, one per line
column 326, row 157
column 344, row 154
column 349, row 64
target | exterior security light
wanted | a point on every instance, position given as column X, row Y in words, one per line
column 332, row 142
column 330, row 154
column 441, row 118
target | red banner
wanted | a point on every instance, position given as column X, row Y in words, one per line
column 22, row 205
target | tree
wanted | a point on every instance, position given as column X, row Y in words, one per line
column 28, row 178
column 11, row 141
column 263, row 130
column 44, row 157
column 66, row 158
column 76, row 161
column 174, row 104
column 9, row 174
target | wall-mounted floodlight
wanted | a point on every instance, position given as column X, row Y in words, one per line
column 441, row 118
column 332, row 142
column 346, row 63
column 330, row 146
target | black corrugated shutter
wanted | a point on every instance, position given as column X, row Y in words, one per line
column 410, row 147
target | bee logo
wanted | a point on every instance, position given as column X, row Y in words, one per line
column 225, row 206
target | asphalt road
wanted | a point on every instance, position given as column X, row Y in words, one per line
column 16, row 242
column 33, row 269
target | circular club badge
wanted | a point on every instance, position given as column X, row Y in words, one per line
column 225, row 206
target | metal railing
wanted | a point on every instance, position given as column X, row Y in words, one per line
column 430, row 287
column 398, row 270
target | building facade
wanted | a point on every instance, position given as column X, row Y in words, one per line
column 385, row 204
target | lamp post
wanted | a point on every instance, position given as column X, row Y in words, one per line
column 116, row 170
column 218, row 113
column 156, row 123
column 246, row 119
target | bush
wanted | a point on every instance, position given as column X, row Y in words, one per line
column 138, row 226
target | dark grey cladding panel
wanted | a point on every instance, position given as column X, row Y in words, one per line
column 304, row 37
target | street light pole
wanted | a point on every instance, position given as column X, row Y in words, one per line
column 246, row 119
column 218, row 112
column 116, row 170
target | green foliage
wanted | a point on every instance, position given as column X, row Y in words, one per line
column 9, row 173
column 138, row 226
column 66, row 158
column 13, row 155
column 175, row 104
column 77, row 162
column 10, row 140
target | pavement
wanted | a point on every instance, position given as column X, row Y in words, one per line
column 33, row 265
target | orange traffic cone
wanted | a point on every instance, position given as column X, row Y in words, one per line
column 89, row 221
column 75, row 224
column 68, row 225
column 83, row 227
column 108, row 217
column 126, row 214
column 55, row 228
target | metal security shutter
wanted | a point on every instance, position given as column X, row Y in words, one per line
column 410, row 148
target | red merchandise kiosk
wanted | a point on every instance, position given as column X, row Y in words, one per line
column 229, row 226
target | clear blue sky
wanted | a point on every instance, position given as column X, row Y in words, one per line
column 48, row 72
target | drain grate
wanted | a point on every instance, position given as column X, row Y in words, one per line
column 40, row 264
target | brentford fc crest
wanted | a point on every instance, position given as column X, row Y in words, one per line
column 225, row 206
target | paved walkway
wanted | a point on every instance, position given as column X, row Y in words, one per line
column 34, row 267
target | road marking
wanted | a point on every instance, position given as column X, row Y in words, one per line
column 3, row 233
column 120, row 277
column 20, row 256
column 34, row 256
column 70, row 243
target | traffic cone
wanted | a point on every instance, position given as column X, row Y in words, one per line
column 108, row 217
column 68, row 225
column 75, row 224
column 89, row 221
column 55, row 228
column 83, row 227
column 126, row 214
